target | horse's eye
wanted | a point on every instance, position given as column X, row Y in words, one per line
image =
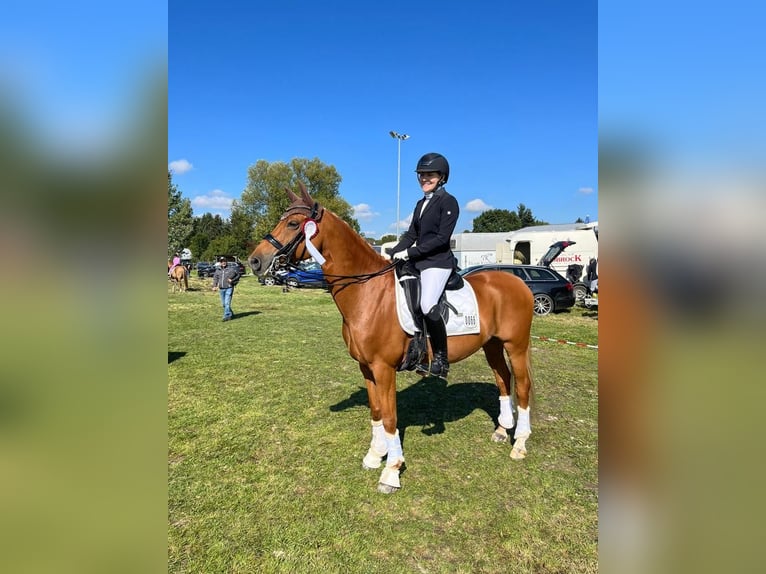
column 293, row 224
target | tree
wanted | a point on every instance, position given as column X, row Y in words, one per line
column 387, row 238
column 210, row 225
column 264, row 199
column 224, row 245
column 499, row 220
column 241, row 229
column 198, row 244
column 180, row 223
column 495, row 221
column 526, row 219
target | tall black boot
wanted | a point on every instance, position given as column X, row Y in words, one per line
column 416, row 352
column 437, row 333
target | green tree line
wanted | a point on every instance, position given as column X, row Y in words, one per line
column 256, row 212
column 264, row 200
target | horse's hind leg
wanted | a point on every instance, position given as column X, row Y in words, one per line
column 493, row 351
column 522, row 372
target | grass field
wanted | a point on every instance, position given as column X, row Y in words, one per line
column 268, row 423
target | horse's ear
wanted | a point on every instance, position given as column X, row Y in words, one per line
column 293, row 198
column 305, row 194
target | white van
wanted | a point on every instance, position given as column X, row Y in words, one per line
column 528, row 245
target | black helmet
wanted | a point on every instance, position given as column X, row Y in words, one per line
column 434, row 162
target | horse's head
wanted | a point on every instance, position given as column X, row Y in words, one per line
column 287, row 241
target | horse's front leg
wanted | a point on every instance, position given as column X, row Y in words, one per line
column 381, row 390
column 378, row 448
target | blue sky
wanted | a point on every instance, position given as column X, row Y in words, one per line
column 75, row 71
column 507, row 91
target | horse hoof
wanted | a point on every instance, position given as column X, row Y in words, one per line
column 518, row 454
column 499, row 437
column 386, row 488
column 366, row 466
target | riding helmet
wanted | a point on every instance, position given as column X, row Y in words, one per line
column 434, row 162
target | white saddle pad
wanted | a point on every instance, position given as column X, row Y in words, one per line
column 464, row 322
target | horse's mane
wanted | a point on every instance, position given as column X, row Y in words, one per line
column 361, row 247
column 349, row 238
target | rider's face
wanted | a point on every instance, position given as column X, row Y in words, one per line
column 428, row 181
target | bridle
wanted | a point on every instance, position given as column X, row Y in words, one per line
column 285, row 252
column 283, row 257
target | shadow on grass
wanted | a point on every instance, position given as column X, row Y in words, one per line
column 431, row 402
column 245, row 314
column 173, row 355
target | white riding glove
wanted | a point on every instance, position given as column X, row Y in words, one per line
column 403, row 255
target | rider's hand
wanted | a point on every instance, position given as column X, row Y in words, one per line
column 403, row 255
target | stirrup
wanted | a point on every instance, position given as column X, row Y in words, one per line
column 416, row 353
column 439, row 369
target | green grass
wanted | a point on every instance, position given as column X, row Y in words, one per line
column 268, row 423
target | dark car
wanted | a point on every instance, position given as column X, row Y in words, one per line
column 551, row 291
column 233, row 260
column 574, row 271
column 205, row 269
column 308, row 274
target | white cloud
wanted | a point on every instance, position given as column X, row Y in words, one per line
column 364, row 212
column 477, row 206
column 585, row 190
column 215, row 200
column 180, row 166
column 404, row 224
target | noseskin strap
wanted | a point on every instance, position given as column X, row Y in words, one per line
column 273, row 240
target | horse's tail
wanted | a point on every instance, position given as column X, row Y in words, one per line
column 186, row 278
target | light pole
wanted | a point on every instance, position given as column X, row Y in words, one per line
column 398, row 137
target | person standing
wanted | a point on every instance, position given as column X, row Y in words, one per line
column 225, row 279
column 426, row 244
column 592, row 275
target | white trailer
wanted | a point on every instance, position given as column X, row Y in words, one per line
column 531, row 243
column 475, row 248
column 526, row 245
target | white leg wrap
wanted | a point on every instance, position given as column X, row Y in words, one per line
column 506, row 412
column 390, row 477
column 395, row 454
column 390, row 474
column 523, row 429
column 378, row 446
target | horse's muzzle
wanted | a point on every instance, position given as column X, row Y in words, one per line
column 255, row 264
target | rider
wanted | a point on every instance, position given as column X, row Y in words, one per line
column 426, row 244
column 176, row 261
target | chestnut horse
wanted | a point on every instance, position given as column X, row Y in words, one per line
column 179, row 278
column 362, row 284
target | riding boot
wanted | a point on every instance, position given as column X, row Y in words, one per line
column 437, row 333
column 416, row 352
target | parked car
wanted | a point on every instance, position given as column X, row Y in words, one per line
column 308, row 274
column 551, row 291
column 574, row 271
column 233, row 260
column 275, row 278
column 205, row 269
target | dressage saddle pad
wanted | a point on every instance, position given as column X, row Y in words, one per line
column 463, row 322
